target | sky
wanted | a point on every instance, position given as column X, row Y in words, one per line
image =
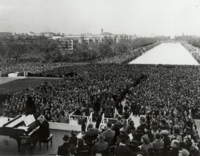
column 140, row 17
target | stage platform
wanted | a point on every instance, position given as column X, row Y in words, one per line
column 11, row 149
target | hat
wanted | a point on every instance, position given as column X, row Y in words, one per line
column 184, row 152
column 164, row 132
column 65, row 138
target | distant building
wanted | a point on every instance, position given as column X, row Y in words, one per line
column 69, row 42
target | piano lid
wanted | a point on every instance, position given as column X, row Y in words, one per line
column 4, row 120
column 15, row 122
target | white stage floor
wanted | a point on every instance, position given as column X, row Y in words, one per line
column 166, row 53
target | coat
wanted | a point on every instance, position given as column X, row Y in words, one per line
column 63, row 149
column 99, row 146
column 122, row 151
column 109, row 133
column 43, row 131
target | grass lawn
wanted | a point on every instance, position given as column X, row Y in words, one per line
column 21, row 84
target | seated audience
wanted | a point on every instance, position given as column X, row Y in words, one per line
column 109, row 133
column 146, row 145
column 100, row 145
column 158, row 143
column 91, row 134
column 122, row 149
column 133, row 145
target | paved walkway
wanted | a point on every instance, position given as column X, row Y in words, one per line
column 8, row 79
column 167, row 53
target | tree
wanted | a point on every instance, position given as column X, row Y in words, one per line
column 17, row 50
column 105, row 49
column 3, row 53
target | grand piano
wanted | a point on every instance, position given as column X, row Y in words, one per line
column 18, row 127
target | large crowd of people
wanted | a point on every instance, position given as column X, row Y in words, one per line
column 193, row 50
column 167, row 94
column 159, row 88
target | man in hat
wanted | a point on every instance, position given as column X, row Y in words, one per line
column 122, row 149
column 134, row 147
column 63, row 149
column 100, row 145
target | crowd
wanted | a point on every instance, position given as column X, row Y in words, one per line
column 153, row 137
column 163, row 89
column 193, row 50
column 167, row 94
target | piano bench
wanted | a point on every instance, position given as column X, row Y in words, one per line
column 46, row 141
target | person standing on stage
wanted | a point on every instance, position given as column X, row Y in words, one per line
column 30, row 107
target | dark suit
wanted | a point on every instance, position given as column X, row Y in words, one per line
column 158, row 144
column 122, row 151
column 43, row 131
column 142, row 127
column 99, row 146
column 116, row 127
column 90, row 133
column 30, row 107
column 109, row 133
column 73, row 140
column 63, row 149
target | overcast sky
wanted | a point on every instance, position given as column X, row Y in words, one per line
column 140, row 17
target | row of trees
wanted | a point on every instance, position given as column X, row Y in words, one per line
column 43, row 49
column 107, row 48
column 195, row 41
